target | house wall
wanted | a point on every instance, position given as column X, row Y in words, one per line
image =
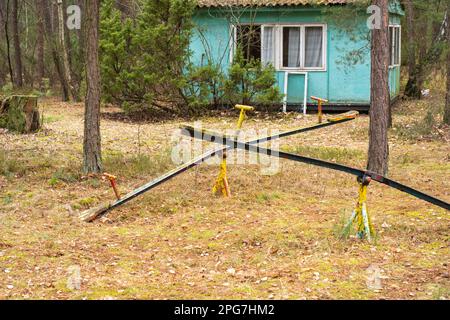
column 341, row 83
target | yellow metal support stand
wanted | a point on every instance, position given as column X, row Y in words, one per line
column 360, row 215
column 319, row 106
column 221, row 184
column 222, row 180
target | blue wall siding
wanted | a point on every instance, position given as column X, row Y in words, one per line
column 340, row 83
column 348, row 83
column 216, row 31
column 394, row 81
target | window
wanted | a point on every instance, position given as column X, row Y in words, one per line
column 248, row 39
column 295, row 47
column 313, row 47
column 303, row 47
column 394, row 45
column 291, row 47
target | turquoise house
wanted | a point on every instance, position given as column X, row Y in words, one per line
column 314, row 50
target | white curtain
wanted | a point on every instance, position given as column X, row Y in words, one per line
column 268, row 37
column 313, row 47
column 294, row 48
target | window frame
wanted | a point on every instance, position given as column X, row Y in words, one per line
column 235, row 34
column 278, row 44
column 303, row 27
column 392, row 63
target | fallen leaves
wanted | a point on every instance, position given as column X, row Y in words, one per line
column 179, row 242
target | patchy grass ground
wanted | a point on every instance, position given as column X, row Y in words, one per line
column 275, row 238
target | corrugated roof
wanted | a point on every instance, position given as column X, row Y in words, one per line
column 265, row 3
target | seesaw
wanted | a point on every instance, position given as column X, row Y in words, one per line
column 359, row 216
column 102, row 210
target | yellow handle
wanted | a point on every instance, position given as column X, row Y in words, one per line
column 243, row 107
column 318, row 99
column 242, row 114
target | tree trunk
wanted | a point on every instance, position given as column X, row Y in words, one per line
column 3, row 64
column 379, row 109
column 55, row 53
column 92, row 141
column 18, row 80
column 79, row 71
column 28, row 68
column 126, row 7
column 62, row 46
column 427, row 57
column 447, row 100
column 410, row 36
column 40, row 44
column 5, row 15
column 20, row 114
column 75, row 82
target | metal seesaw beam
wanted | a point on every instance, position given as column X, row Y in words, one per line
column 232, row 143
column 97, row 212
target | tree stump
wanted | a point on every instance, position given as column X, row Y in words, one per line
column 19, row 113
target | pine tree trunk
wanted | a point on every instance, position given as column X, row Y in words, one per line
column 40, row 44
column 28, row 71
column 427, row 57
column 18, row 80
column 126, row 7
column 55, row 53
column 3, row 66
column 92, row 141
column 414, row 85
column 6, row 14
column 62, row 46
column 379, row 109
column 410, row 36
column 74, row 78
column 81, row 53
column 447, row 100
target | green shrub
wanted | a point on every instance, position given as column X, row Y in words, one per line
column 142, row 59
column 204, row 86
column 246, row 82
column 251, row 82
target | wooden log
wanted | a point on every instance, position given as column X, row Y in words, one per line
column 19, row 113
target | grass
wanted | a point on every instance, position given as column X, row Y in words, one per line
column 279, row 233
column 425, row 122
column 51, row 119
column 68, row 175
column 337, row 154
column 10, row 166
column 264, row 197
column 137, row 165
column 425, row 128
